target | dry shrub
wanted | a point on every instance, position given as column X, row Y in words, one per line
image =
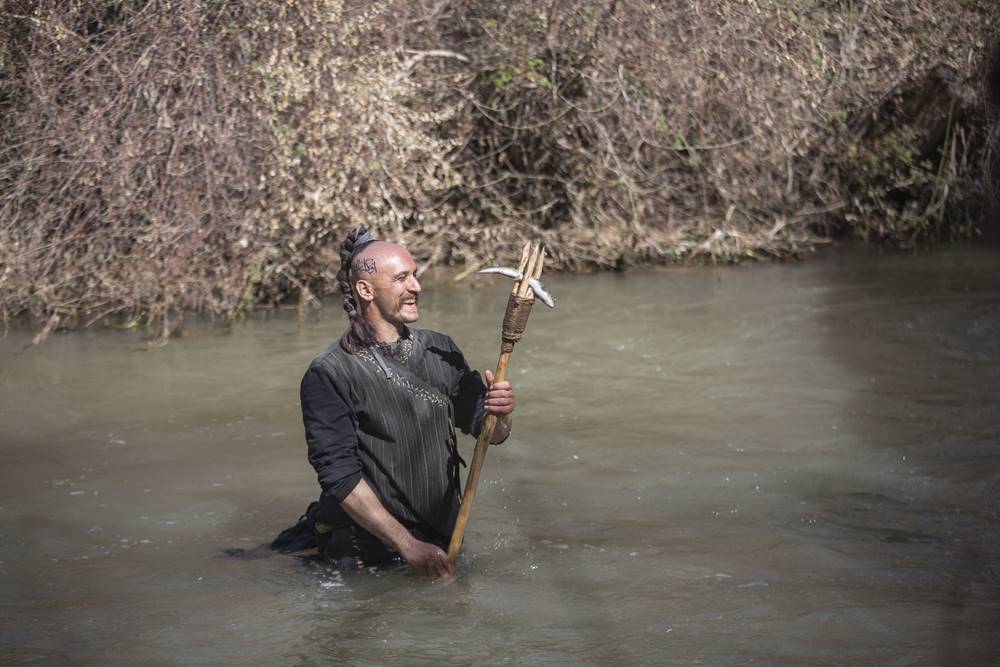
column 172, row 156
column 120, row 163
column 629, row 131
column 162, row 156
column 991, row 93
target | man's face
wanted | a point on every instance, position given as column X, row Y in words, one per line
column 392, row 285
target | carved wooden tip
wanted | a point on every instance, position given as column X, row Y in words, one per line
column 525, row 253
column 537, row 273
column 522, row 265
column 532, row 269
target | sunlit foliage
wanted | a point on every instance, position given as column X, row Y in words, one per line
column 160, row 156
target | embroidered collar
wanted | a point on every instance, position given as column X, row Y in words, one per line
column 400, row 349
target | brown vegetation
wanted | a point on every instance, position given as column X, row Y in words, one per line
column 991, row 93
column 160, row 156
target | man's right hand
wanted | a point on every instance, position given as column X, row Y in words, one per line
column 427, row 559
column 364, row 507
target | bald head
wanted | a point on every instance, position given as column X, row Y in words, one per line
column 376, row 257
column 385, row 281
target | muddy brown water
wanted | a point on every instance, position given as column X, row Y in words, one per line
column 772, row 464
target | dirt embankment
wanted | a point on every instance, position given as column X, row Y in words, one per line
column 159, row 157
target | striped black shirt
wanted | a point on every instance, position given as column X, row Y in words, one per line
column 393, row 423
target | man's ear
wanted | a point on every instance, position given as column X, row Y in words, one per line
column 364, row 290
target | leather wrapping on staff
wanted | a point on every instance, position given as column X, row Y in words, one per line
column 515, row 320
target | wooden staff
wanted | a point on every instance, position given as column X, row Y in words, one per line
column 514, row 322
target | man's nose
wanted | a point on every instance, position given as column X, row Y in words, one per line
column 414, row 284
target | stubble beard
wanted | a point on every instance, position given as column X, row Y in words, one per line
column 405, row 313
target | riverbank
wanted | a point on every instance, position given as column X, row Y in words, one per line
column 193, row 325
column 208, row 158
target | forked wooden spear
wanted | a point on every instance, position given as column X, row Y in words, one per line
column 526, row 284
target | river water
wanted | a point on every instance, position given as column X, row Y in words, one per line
column 771, row 464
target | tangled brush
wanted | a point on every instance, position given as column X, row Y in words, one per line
column 165, row 156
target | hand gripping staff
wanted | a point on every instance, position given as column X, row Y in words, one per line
column 526, row 288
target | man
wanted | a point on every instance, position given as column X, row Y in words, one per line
column 380, row 407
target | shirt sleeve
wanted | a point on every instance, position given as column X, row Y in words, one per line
column 468, row 395
column 331, row 433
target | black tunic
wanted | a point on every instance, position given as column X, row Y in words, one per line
column 391, row 421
